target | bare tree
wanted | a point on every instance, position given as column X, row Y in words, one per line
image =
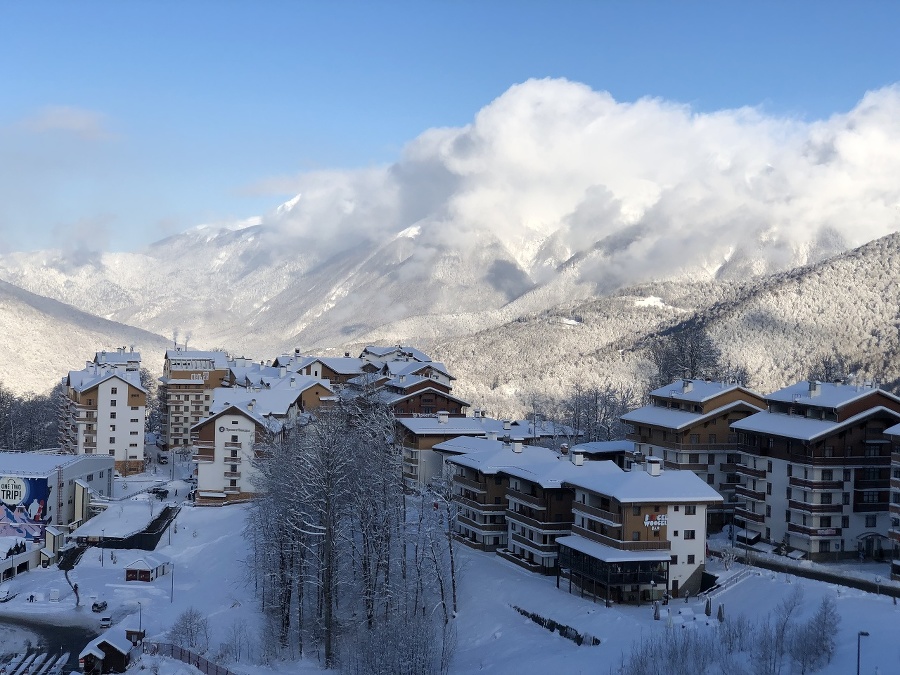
column 191, row 630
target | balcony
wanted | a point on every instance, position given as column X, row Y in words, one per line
column 232, row 490
column 481, row 527
column 876, row 484
column 533, row 501
column 233, row 459
column 744, row 470
column 688, row 466
column 684, row 447
column 232, row 444
column 870, row 507
column 536, row 524
column 749, row 515
column 204, row 458
column 535, row 546
column 804, row 507
column 204, row 445
column 804, row 531
column 479, row 506
column 410, row 459
column 609, row 517
column 815, row 484
column 755, row 495
column 232, row 474
column 728, row 467
column 473, row 485
column 655, row 545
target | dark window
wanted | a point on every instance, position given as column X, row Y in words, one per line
column 690, row 534
column 691, row 559
column 690, row 510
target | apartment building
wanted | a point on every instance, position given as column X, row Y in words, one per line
column 688, row 425
column 637, row 535
column 816, row 469
column 186, row 391
column 893, row 433
column 104, row 409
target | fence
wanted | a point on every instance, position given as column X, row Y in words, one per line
column 185, row 656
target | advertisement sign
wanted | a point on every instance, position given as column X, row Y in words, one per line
column 655, row 521
column 23, row 512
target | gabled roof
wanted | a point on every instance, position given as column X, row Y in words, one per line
column 87, row 379
column 219, row 359
column 826, row 394
column 638, row 486
column 802, row 428
column 148, row 563
column 671, row 418
column 115, row 637
column 269, row 423
column 699, row 391
column 44, row 462
column 893, row 431
column 393, row 398
column 608, row 553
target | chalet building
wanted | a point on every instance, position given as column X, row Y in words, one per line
column 149, row 568
column 687, row 424
column 520, row 489
column 104, row 410
column 186, row 391
column 637, row 535
column 225, row 447
column 816, row 469
column 420, row 435
column 893, row 433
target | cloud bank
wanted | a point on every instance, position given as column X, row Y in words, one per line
column 552, row 168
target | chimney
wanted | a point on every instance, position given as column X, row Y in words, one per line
column 814, row 387
column 251, row 404
column 402, row 378
column 517, row 447
column 297, row 351
column 578, row 458
column 654, row 466
column 476, row 413
column 269, row 363
column 282, row 372
column 293, row 381
column 346, row 355
column 686, row 386
column 443, row 415
column 564, row 449
column 121, row 350
column 507, row 425
column 492, row 435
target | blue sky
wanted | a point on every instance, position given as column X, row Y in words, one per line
column 123, row 122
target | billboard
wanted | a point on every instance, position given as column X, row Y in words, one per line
column 23, row 512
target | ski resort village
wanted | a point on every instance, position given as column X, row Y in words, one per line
column 351, row 513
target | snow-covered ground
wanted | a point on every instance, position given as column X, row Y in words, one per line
column 209, row 573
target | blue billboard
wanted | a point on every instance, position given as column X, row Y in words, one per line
column 25, row 501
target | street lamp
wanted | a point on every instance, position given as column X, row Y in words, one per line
column 859, row 636
column 140, row 615
column 102, row 552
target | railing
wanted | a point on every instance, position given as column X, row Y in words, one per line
column 232, row 489
column 185, row 656
column 872, row 484
column 232, row 444
column 755, row 495
column 815, row 484
column 814, row 508
column 233, row 459
column 536, row 524
column 479, row 506
column 684, row 447
column 814, row 531
column 688, row 466
column 728, row 467
column 525, row 541
column 202, row 458
column 655, row 545
column 481, row 527
column 469, row 483
column 749, row 515
column 595, row 512
column 750, row 471
column 524, row 497
column 232, row 474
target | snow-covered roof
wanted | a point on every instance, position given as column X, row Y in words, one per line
column 40, row 463
column 698, row 391
column 117, row 356
column 604, row 447
column 344, row 365
column 893, row 431
column 608, row 553
column 393, row 398
column 637, row 485
column 825, row 394
column 243, row 408
column 466, row 444
column 801, row 428
column 121, row 519
column 115, row 637
column 670, row 418
column 219, row 359
column 88, row 378
column 382, row 352
column 149, row 562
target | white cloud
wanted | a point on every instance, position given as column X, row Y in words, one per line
column 551, row 168
column 80, row 122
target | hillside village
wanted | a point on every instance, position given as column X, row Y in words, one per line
column 810, row 471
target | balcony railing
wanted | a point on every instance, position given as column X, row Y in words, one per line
column 481, row 527
column 232, row 444
column 750, row 471
column 654, row 545
column 536, row 524
column 683, row 447
column 473, row 485
column 755, row 495
column 805, row 531
column 232, row 489
column 532, row 500
column 594, row 512
column 203, row 457
column 805, row 507
column 793, row 481
column 749, row 515
column 232, row 474
column 232, row 459
column 479, row 506
column 525, row 541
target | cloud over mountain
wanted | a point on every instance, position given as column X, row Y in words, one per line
column 553, row 168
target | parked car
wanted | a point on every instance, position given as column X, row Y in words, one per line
column 98, row 606
column 106, row 622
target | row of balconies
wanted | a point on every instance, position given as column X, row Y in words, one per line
column 594, row 513
column 652, row 545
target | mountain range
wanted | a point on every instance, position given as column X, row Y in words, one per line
column 508, row 323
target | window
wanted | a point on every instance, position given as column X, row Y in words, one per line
column 694, row 458
column 133, row 433
column 691, row 559
column 234, row 438
column 712, row 439
column 112, row 427
column 690, row 510
column 826, row 498
column 870, row 520
column 635, row 536
column 114, row 390
column 846, row 474
column 845, row 521
column 690, row 534
column 636, row 510
column 768, row 511
column 824, row 547
column 870, row 497
column 827, row 474
column 769, row 489
column 112, row 440
column 90, row 477
column 825, row 521
column 112, row 403
column 790, row 470
column 112, row 415
column 845, row 499
column 695, row 439
column 769, row 467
